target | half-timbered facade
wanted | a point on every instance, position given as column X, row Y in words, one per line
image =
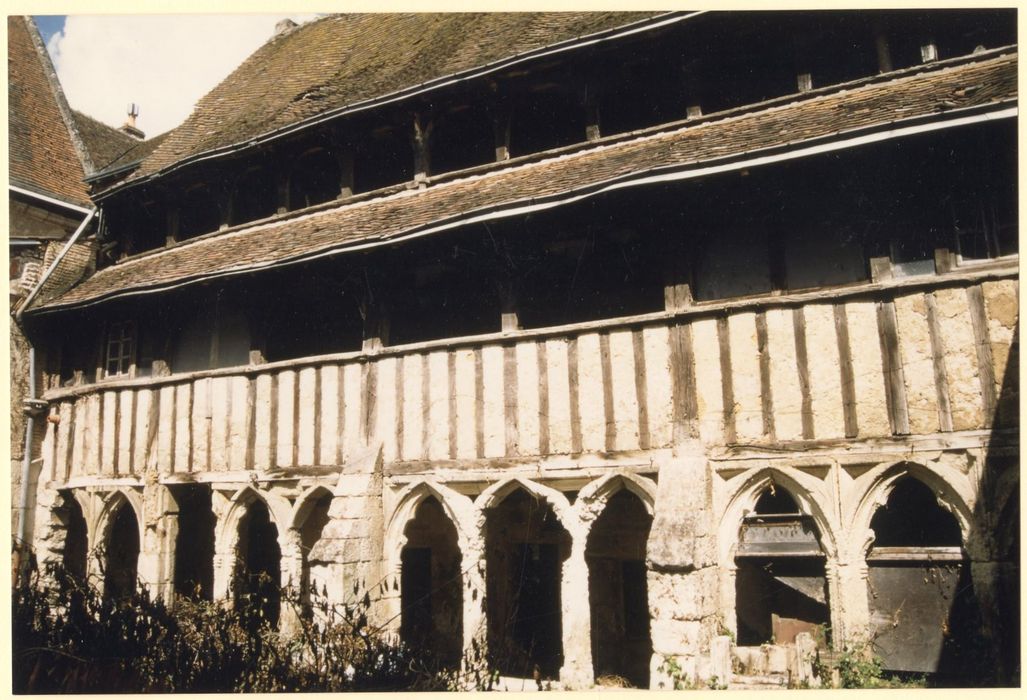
column 595, row 340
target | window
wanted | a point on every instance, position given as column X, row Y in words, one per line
column 120, row 349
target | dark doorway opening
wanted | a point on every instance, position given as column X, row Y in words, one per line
column 122, row 555
column 194, row 545
column 258, row 572
column 431, row 586
column 525, row 549
column 922, row 603
column 76, row 540
column 618, row 590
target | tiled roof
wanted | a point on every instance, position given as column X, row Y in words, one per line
column 104, row 143
column 43, row 156
column 345, row 59
column 875, row 104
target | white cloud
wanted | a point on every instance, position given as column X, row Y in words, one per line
column 163, row 63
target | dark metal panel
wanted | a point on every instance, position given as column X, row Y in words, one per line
column 910, row 605
column 793, row 536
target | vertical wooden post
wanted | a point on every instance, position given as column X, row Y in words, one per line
column 677, row 275
column 281, row 186
column 373, row 312
column 501, row 129
column 223, row 191
column 591, row 104
column 884, row 61
column 174, row 208
column 344, row 154
column 420, row 140
column 342, row 149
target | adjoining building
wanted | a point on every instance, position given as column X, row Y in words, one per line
column 615, row 344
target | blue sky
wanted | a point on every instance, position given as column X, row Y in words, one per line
column 49, row 25
column 162, row 63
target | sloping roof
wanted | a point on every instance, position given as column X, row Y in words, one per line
column 104, row 143
column 875, row 104
column 112, row 149
column 346, row 59
column 44, row 156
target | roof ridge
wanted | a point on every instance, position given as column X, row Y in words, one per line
column 58, row 92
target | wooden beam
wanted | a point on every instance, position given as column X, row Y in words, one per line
column 884, row 61
column 891, row 360
column 848, row 379
column 421, row 140
column 941, row 381
column 982, row 343
column 802, row 365
column 501, row 130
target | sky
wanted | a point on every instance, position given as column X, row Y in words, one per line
column 162, row 63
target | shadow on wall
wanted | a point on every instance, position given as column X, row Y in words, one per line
column 998, row 511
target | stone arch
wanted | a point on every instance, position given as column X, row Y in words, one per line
column 456, row 507
column 922, row 598
column 310, row 515
column 530, row 534
column 495, row 494
column 763, row 587
column 117, row 543
column 109, row 506
column 227, row 529
column 254, row 549
column 616, row 514
column 881, row 481
column 592, row 499
column 70, row 514
column 748, row 492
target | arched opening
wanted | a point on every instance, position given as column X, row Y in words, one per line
column 431, row 585
column 618, row 591
column 314, row 571
column 258, row 566
column 121, row 555
column 922, row 604
column 76, row 539
column 194, row 545
column 780, row 583
column 525, row 549
column 316, row 178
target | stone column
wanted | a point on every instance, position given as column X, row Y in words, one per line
column 475, row 634
column 289, row 542
column 156, row 568
column 224, row 548
column 577, row 622
column 49, row 530
column 682, row 570
column 353, row 537
column 850, row 607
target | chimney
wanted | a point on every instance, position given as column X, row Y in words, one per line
column 129, row 127
column 284, row 26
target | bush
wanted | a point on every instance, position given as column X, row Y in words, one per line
column 67, row 638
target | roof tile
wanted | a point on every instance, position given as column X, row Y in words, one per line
column 377, row 220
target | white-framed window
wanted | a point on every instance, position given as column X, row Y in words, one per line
column 120, row 349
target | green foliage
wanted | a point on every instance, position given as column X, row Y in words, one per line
column 67, row 638
column 860, row 667
column 672, row 669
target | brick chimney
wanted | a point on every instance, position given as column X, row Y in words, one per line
column 129, row 127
